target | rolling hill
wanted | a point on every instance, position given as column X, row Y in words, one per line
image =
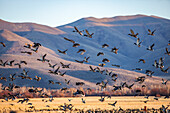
column 112, row 31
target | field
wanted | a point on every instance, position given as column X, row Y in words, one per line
column 125, row 102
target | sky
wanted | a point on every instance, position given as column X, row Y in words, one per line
column 59, row 12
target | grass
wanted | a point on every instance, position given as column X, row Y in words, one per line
column 125, row 102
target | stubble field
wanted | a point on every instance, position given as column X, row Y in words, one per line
column 43, row 104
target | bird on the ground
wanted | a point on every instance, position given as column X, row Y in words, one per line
column 69, row 40
column 3, row 44
column 83, row 101
column 100, row 53
column 81, row 51
column 76, row 44
column 105, row 45
column 145, row 101
column 138, row 42
column 167, row 52
column 24, row 100
column 69, row 100
column 141, row 60
column 64, row 65
column 113, row 104
column 76, row 30
column 150, row 48
column 43, row 58
column 115, row 50
column 63, row 52
column 88, row 34
column 146, row 97
column 151, row 32
column 102, row 99
column 133, row 34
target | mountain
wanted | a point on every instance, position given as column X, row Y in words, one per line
column 112, row 31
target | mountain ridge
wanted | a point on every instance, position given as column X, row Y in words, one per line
column 116, row 36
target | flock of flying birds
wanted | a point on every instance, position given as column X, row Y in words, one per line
column 56, row 71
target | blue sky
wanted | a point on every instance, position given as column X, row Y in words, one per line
column 60, row 12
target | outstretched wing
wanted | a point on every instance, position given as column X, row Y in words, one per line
column 132, row 31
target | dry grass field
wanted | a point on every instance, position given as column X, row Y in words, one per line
column 125, row 102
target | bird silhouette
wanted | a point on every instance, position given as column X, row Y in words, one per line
column 27, row 52
column 105, row 45
column 76, row 44
column 81, row 51
column 100, row 53
column 114, row 50
column 167, row 52
column 150, row 48
column 88, row 34
column 113, row 104
column 63, row 52
column 3, row 44
column 133, row 34
column 151, row 32
column 69, row 40
column 43, row 58
column 76, row 30
column 138, row 42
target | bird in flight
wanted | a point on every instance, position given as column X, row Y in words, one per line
column 63, row 52
column 138, row 42
column 133, row 34
column 150, row 48
column 151, row 32
column 43, row 58
column 88, row 34
column 76, row 30
column 3, row 44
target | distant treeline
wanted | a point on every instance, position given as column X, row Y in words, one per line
column 31, row 92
